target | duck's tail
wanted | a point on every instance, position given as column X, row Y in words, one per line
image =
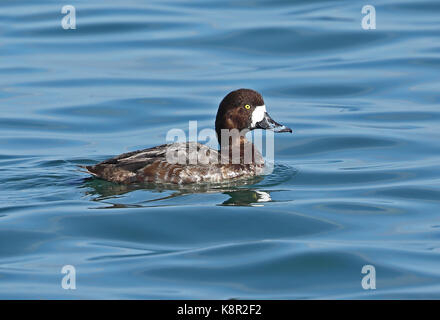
column 87, row 169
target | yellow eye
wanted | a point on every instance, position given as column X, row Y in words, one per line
column 247, row 107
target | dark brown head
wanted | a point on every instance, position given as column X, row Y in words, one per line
column 245, row 109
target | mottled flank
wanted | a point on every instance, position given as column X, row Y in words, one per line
column 153, row 165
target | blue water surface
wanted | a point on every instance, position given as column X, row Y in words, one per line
column 358, row 183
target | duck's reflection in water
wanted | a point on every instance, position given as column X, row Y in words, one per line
column 246, row 198
column 241, row 193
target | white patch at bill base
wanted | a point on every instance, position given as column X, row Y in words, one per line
column 258, row 114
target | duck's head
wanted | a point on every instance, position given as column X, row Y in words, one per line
column 245, row 109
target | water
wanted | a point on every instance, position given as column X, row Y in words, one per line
column 358, row 183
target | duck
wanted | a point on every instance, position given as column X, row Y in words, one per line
column 239, row 112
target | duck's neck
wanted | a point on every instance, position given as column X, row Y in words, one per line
column 239, row 150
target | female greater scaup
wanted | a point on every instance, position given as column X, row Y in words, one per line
column 243, row 110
